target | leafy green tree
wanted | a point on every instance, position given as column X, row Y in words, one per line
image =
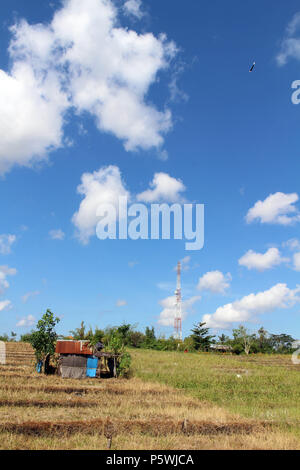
column 282, row 343
column 26, row 338
column 125, row 331
column 136, row 339
column 223, row 339
column 115, row 344
column 242, row 339
column 4, row 338
column 187, row 344
column 201, row 339
column 44, row 338
column 97, row 336
column 80, row 334
column 9, row 339
column 150, row 338
column 263, row 343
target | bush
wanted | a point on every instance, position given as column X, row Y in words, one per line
column 124, row 365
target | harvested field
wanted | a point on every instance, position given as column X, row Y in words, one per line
column 38, row 412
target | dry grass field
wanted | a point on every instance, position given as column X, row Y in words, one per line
column 170, row 403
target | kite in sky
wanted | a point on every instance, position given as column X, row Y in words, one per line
column 252, row 67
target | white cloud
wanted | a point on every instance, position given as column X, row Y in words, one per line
column 6, row 241
column 246, row 309
column 167, row 315
column 4, row 272
column 32, row 109
column 292, row 244
column 277, row 208
column 57, row 234
column 101, row 187
column 5, row 304
column 28, row 295
column 133, row 7
column 84, row 61
column 296, row 261
column 290, row 45
column 26, row 322
column 106, row 186
column 215, row 281
column 121, row 303
column 262, row 261
column 163, row 188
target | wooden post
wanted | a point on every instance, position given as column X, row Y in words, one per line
column 109, row 442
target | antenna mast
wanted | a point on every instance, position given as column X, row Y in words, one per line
column 178, row 310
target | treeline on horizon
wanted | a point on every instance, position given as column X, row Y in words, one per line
column 240, row 342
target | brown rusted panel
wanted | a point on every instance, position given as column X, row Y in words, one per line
column 73, row 347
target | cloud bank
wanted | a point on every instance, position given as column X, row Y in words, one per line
column 246, row 309
column 82, row 61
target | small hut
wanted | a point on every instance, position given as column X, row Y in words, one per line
column 223, row 348
column 77, row 360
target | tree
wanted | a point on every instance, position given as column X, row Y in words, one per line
column 150, row 338
column 201, row 339
column 26, row 338
column 281, row 343
column 136, row 339
column 7, row 339
column 242, row 337
column 4, row 338
column 125, row 331
column 43, row 339
column 262, row 340
column 79, row 333
column 223, row 339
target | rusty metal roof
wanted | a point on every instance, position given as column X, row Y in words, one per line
column 73, row 347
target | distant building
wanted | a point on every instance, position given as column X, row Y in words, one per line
column 221, row 348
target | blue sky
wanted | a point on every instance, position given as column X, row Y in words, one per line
column 99, row 91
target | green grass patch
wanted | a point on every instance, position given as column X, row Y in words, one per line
column 260, row 387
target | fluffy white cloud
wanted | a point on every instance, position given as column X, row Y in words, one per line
column 133, row 7
column 290, row 45
column 29, row 295
column 246, row 309
column 5, row 304
column 277, row 208
column 6, row 241
column 163, row 188
column 4, row 272
column 167, row 315
column 31, row 110
column 262, row 261
column 83, row 60
column 215, row 281
column 121, row 303
column 106, row 186
column 26, row 322
column 57, row 234
column 101, row 187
